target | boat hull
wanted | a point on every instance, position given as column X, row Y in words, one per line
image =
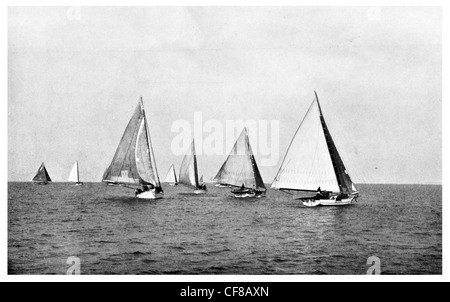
column 79, row 184
column 198, row 191
column 328, row 202
column 151, row 194
column 41, row 182
column 246, row 193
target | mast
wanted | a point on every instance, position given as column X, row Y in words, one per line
column 158, row 183
column 195, row 164
column 78, row 172
column 174, row 174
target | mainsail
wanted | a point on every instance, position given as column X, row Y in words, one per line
column 240, row 167
column 74, row 174
column 171, row 176
column 42, row 175
column 134, row 160
column 312, row 159
column 188, row 171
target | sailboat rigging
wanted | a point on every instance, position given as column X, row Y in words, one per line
column 133, row 165
column 240, row 170
column 41, row 177
column 312, row 164
column 188, row 175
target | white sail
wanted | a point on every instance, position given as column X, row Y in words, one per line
column 240, row 167
column 142, row 156
column 307, row 164
column 134, row 161
column 201, row 179
column 74, row 174
column 171, row 176
column 188, row 170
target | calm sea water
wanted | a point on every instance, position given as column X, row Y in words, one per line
column 111, row 232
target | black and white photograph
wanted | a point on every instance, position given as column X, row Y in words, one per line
column 224, row 140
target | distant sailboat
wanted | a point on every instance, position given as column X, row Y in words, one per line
column 188, row 175
column 313, row 164
column 75, row 175
column 240, row 170
column 133, row 165
column 41, row 177
column 171, row 177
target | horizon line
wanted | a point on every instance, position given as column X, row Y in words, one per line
column 361, row 183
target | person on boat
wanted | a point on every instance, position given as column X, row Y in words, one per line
column 241, row 190
column 342, row 196
column 322, row 194
column 318, row 194
column 137, row 192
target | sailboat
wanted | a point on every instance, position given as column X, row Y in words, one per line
column 133, row 165
column 312, row 164
column 171, row 177
column 189, row 173
column 240, row 170
column 75, row 175
column 41, row 177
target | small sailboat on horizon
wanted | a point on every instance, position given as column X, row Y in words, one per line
column 312, row 164
column 41, row 177
column 171, row 177
column 241, row 171
column 133, row 165
column 188, row 174
column 75, row 175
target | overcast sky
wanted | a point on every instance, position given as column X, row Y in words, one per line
column 76, row 75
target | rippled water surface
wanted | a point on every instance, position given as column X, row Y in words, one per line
column 111, row 232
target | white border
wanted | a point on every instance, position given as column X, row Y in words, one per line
column 216, row 278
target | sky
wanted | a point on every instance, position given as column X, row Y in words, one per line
column 75, row 75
